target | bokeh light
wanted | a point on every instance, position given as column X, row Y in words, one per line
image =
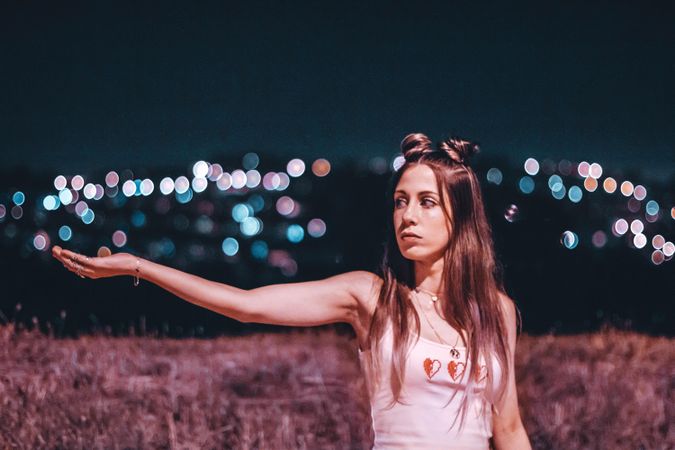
column 19, row 198
column 271, row 181
column 138, row 219
column 620, row 227
column 200, row 169
column 41, row 240
column 257, row 202
column 103, row 251
column 259, row 249
column 658, row 241
column 129, row 188
column 181, row 185
column 215, row 172
column 609, row 185
column 627, row 188
column 555, row 183
column 652, row 208
column 77, row 182
column 147, row 187
column 88, row 216
column 595, row 171
column 295, row 233
column 658, row 257
column 316, row 228
column 3, row 211
column 295, row 167
column 633, row 205
column 512, row 213
column 119, row 238
column 321, row 167
column 398, row 162
column 199, row 184
column 65, row 233
column 599, row 239
column 241, row 211
column 250, row 161
column 565, row 167
column 668, row 249
column 60, row 182
column 250, row 226
column 583, row 169
column 590, row 184
column 111, row 179
column 636, row 226
column 89, row 191
column 65, row 196
column 531, row 166
column 526, row 185
column 495, row 176
column 166, row 185
column 17, row 212
column 575, row 194
column 252, row 179
column 230, row 246
column 284, row 181
column 81, row 208
column 285, row 205
column 224, row 182
column 640, row 192
column 51, row 202
column 185, row 196
column 238, row 179
column 639, row 240
column 569, row 240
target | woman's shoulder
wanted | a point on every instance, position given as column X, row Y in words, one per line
column 365, row 287
column 364, row 283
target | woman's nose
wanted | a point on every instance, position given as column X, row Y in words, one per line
column 410, row 214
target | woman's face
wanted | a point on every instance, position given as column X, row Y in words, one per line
column 421, row 226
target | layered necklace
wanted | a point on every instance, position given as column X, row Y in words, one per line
column 454, row 353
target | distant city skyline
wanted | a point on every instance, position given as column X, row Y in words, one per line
column 91, row 86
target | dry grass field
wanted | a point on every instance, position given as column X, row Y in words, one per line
column 302, row 389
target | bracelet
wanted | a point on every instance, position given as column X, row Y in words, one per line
column 137, row 279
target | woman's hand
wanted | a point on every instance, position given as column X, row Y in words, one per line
column 95, row 267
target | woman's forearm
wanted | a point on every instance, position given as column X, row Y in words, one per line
column 218, row 297
column 515, row 439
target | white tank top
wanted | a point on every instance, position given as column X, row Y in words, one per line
column 423, row 422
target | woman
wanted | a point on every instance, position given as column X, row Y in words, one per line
column 423, row 374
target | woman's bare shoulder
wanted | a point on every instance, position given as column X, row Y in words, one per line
column 365, row 287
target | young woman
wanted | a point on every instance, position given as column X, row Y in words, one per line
column 436, row 332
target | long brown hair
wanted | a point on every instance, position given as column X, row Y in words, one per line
column 471, row 276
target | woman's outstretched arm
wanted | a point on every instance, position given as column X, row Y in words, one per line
column 334, row 299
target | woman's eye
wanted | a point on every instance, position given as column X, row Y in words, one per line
column 428, row 202
column 398, row 202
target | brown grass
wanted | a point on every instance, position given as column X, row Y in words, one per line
column 302, row 389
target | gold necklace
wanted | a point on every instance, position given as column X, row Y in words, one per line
column 453, row 351
column 434, row 297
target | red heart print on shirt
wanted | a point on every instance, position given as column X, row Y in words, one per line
column 456, row 369
column 481, row 373
column 431, row 367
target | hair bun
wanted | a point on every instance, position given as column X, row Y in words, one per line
column 459, row 150
column 415, row 145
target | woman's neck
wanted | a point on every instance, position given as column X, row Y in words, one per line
column 428, row 275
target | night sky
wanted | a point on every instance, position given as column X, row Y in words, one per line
column 88, row 85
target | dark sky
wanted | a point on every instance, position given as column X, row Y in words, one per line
column 122, row 84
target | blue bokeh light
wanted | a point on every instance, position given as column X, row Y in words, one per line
column 295, row 233
column 230, row 246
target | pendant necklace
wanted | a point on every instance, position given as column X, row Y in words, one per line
column 454, row 353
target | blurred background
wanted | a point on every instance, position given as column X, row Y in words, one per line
column 253, row 143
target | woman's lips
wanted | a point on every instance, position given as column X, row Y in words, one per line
column 410, row 237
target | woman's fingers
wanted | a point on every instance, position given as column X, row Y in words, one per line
column 80, row 265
